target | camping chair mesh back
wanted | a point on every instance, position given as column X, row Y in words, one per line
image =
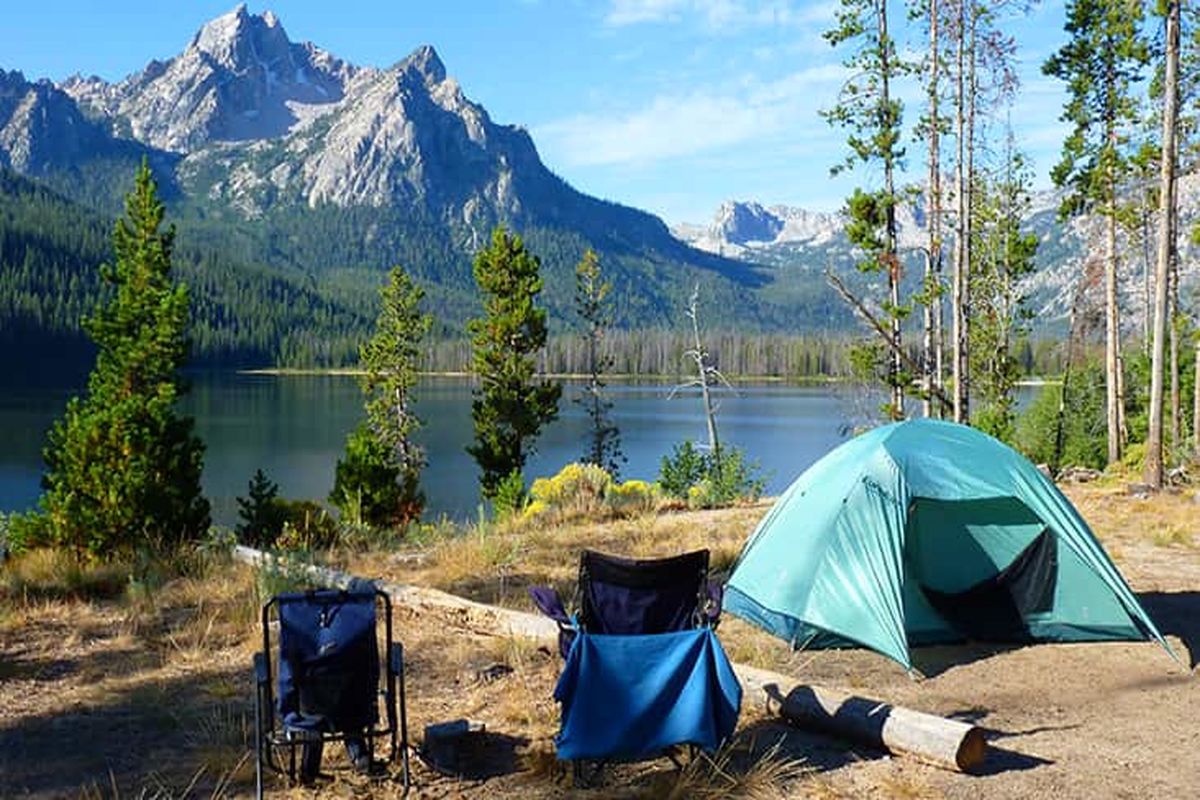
column 632, row 596
column 330, row 678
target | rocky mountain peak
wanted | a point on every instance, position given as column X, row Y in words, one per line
column 239, row 79
column 424, row 62
column 239, row 38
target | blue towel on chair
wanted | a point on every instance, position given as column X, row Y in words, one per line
column 632, row 697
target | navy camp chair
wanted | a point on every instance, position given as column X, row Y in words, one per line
column 331, row 681
column 644, row 672
column 634, row 596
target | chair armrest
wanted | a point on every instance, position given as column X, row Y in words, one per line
column 549, row 603
column 260, row 668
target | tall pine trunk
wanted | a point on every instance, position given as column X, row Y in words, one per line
column 893, row 261
column 1154, row 438
column 958, row 294
column 933, row 306
column 969, row 205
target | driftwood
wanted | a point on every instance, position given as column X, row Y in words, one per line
column 935, row 740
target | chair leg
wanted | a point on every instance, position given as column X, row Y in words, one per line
column 396, row 668
column 260, row 733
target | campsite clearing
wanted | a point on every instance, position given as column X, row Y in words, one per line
column 145, row 693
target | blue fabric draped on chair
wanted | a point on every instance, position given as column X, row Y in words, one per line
column 633, row 697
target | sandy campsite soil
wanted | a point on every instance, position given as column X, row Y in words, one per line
column 153, row 698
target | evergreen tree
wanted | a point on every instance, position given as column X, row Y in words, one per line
column 389, row 359
column 510, row 407
column 123, row 469
column 999, row 321
column 595, row 313
column 261, row 513
column 868, row 108
column 1105, row 55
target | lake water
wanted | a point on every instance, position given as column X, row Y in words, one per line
column 294, row 428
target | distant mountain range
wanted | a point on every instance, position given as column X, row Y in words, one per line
column 791, row 238
column 293, row 173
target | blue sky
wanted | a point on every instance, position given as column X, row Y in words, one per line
column 668, row 105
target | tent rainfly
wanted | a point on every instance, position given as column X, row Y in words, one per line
column 928, row 532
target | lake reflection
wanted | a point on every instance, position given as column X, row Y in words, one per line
column 294, row 428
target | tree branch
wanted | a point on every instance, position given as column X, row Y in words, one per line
column 884, row 334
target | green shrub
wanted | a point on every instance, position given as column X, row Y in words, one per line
column 510, row 495
column 307, row 526
column 729, row 480
column 1084, row 428
column 369, row 487
column 683, row 469
column 20, row 532
column 705, row 481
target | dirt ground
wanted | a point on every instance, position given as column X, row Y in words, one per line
column 106, row 699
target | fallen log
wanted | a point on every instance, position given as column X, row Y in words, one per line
column 942, row 742
column 946, row 743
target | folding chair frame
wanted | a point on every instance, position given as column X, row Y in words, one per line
column 271, row 737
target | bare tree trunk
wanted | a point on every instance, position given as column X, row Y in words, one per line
column 1147, row 312
column 968, row 204
column 893, row 260
column 960, row 246
column 933, row 310
column 1154, row 438
column 1112, row 338
column 699, row 355
column 1173, row 317
column 1196, row 404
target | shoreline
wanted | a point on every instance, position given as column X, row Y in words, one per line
column 566, row 376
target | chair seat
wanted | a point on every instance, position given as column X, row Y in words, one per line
column 629, row 697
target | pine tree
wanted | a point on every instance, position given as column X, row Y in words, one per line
column 595, row 313
column 262, row 516
column 1004, row 255
column 123, row 469
column 1104, row 56
column 509, row 408
column 869, row 110
column 389, row 360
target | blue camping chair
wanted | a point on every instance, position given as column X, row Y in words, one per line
column 330, row 682
column 644, row 672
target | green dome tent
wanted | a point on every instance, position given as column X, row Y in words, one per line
column 929, row 532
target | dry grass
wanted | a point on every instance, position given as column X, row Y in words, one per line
column 153, row 666
column 738, row 770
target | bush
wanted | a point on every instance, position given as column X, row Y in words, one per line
column 577, row 490
column 510, row 495
column 587, row 490
column 20, row 532
column 632, row 497
column 706, row 482
column 730, row 480
column 369, row 487
column 307, row 526
column 1084, row 428
column 683, row 469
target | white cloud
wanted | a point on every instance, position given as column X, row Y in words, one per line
column 700, row 121
column 721, row 15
